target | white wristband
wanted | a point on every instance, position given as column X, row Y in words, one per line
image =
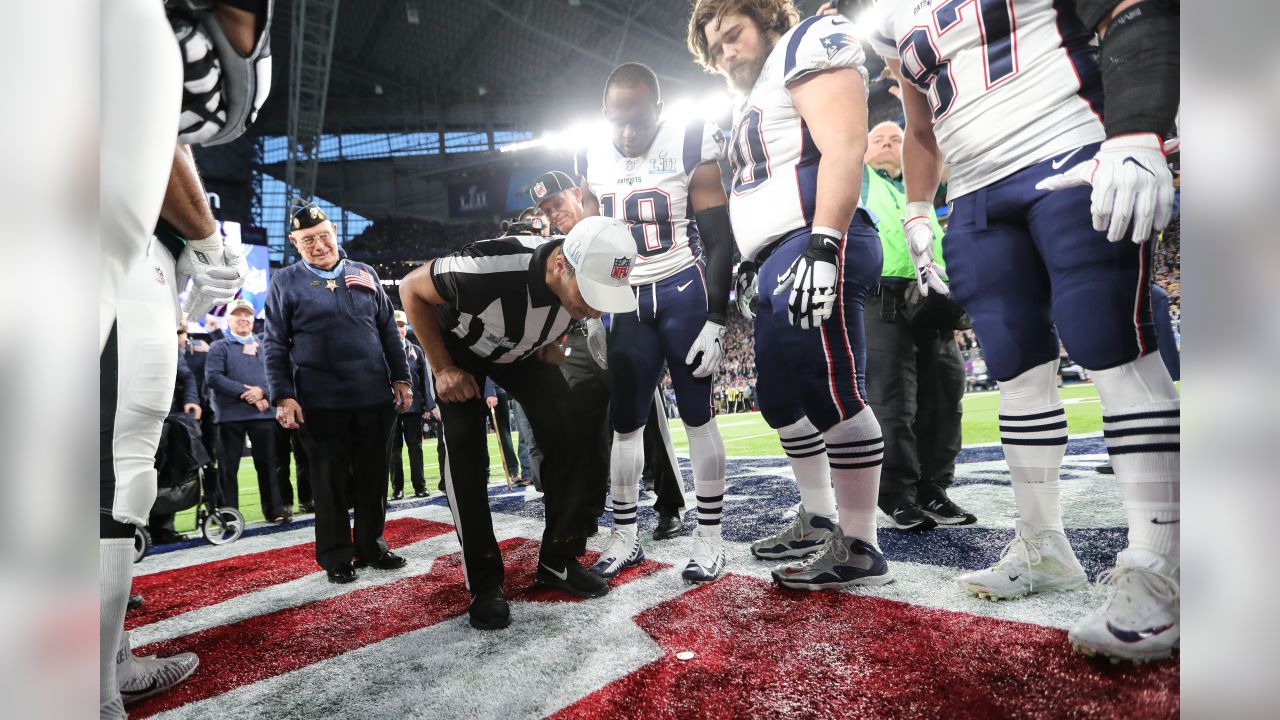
column 209, row 244
column 819, row 230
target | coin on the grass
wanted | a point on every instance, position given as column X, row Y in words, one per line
column 686, row 655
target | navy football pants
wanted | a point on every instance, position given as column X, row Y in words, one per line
column 817, row 373
column 1023, row 262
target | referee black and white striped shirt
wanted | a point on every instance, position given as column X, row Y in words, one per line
column 498, row 302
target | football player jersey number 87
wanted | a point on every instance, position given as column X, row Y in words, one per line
column 918, row 50
column 648, row 215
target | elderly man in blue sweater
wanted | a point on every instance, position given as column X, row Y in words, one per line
column 336, row 370
column 236, row 375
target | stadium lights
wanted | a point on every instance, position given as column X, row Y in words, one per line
column 573, row 137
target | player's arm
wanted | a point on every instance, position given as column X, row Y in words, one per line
column 921, row 172
column 217, row 273
column 710, row 209
column 420, row 295
column 833, row 104
column 186, row 206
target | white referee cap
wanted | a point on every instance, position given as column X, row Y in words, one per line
column 602, row 251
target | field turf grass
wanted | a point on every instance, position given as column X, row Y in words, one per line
column 745, row 434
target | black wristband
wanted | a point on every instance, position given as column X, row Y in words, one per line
column 717, row 244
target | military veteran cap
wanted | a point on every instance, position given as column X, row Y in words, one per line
column 305, row 214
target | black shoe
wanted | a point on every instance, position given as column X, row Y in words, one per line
column 421, row 494
column 386, row 561
column 135, row 602
column 1106, row 469
column 166, row 537
column 669, row 526
column 489, row 610
column 945, row 512
column 343, row 573
column 569, row 576
column 911, row 517
column 398, row 496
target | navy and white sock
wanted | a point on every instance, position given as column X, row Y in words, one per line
column 855, row 454
column 807, row 452
column 706, row 454
column 1142, row 426
column 626, row 462
column 1033, row 433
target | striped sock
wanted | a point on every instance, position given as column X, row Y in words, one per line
column 626, row 462
column 807, row 452
column 1142, row 426
column 706, row 455
column 855, row 452
column 1033, row 433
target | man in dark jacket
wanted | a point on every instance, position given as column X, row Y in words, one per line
column 337, row 370
column 408, row 429
column 236, row 373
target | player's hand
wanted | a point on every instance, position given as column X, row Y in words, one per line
column 597, row 343
column 453, row 384
column 919, row 232
column 1131, row 182
column 403, row 394
column 217, row 273
column 747, row 283
column 812, row 281
column 289, row 414
column 710, row 345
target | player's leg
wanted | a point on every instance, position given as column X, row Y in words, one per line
column 635, row 365
column 999, row 276
column 142, row 95
column 1101, row 302
column 681, row 316
column 826, row 370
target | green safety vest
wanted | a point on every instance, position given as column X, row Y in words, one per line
column 887, row 201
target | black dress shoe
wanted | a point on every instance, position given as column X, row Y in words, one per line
column 669, row 526
column 386, row 561
column 569, row 576
column 489, row 610
column 166, row 537
column 343, row 573
column 135, row 602
column 421, row 494
column 398, row 496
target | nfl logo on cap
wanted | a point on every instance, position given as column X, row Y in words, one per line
column 621, row 268
column 539, row 190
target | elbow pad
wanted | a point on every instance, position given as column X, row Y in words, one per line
column 717, row 243
column 1139, row 59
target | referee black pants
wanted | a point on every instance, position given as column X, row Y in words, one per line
column 556, row 418
column 347, row 451
column 590, row 384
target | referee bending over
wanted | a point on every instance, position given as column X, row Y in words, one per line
column 500, row 307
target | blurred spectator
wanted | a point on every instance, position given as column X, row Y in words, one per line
column 499, row 404
column 408, row 428
column 236, row 373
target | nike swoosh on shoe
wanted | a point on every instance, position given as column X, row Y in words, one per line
column 1132, row 636
column 562, row 574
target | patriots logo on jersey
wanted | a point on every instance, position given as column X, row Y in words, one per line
column 833, row 43
column 621, row 268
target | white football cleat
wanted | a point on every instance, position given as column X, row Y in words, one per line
column 1029, row 563
column 142, row 677
column 706, row 562
column 1140, row 621
column 622, row 551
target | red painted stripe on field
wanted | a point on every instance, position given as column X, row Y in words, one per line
column 174, row 592
column 265, row 646
column 823, row 655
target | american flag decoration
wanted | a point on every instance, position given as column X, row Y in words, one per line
column 358, row 277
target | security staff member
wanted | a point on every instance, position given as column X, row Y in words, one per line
column 915, row 375
column 495, row 309
column 236, row 372
column 336, row 369
column 408, row 428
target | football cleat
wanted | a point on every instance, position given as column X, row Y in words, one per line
column 1029, row 563
column 806, row 534
column 623, row 551
column 707, row 559
column 142, row 677
column 843, row 562
column 1140, row 621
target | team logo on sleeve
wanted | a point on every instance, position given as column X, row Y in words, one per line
column 833, row 43
column 621, row 268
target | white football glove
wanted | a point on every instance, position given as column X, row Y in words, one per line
column 710, row 345
column 919, row 232
column 748, row 285
column 216, row 273
column 1131, row 181
column 812, row 280
column 597, row 344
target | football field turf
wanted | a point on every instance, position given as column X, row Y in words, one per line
column 745, row 434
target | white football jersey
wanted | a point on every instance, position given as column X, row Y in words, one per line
column 1011, row 83
column 651, row 192
column 775, row 163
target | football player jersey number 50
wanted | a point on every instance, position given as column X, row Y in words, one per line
column 921, row 64
column 648, row 215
